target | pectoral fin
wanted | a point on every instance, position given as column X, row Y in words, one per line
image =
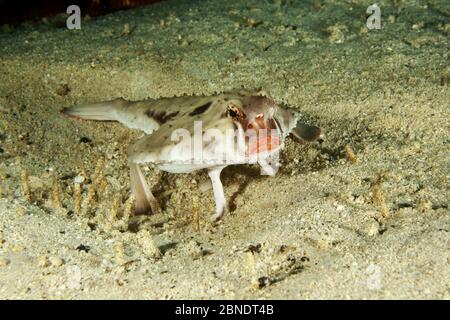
column 145, row 201
column 305, row 132
column 219, row 196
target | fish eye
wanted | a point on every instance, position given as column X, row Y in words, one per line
column 232, row 113
column 235, row 112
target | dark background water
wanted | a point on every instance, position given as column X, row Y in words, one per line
column 17, row 11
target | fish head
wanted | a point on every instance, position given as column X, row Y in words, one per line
column 260, row 117
column 252, row 112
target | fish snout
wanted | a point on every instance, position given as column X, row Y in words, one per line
column 258, row 123
column 265, row 135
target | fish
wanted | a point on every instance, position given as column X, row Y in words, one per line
column 189, row 133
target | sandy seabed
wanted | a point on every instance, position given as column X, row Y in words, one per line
column 361, row 214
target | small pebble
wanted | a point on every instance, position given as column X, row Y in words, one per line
column 194, row 250
column 56, row 261
column 17, row 248
column 148, row 246
column 4, row 262
column 372, row 229
column 63, row 90
column 73, row 277
column 42, row 261
column 78, row 179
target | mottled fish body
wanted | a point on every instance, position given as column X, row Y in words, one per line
column 185, row 134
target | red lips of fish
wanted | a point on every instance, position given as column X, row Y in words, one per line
column 267, row 137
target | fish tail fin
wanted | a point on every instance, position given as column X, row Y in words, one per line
column 145, row 201
column 107, row 110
